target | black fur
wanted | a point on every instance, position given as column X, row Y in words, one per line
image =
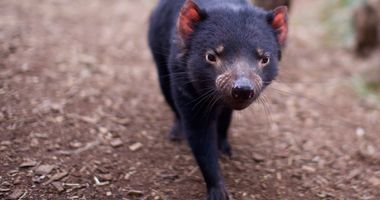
column 188, row 82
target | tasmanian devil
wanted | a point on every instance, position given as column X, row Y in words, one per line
column 213, row 57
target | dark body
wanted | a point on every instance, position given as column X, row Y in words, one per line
column 203, row 88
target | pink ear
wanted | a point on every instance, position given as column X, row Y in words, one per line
column 188, row 16
column 280, row 23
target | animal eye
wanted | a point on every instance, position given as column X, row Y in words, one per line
column 211, row 57
column 264, row 60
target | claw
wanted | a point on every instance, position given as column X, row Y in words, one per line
column 176, row 134
column 219, row 193
column 225, row 148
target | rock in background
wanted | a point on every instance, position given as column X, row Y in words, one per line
column 366, row 24
column 271, row 4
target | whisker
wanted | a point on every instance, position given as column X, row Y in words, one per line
column 267, row 113
column 202, row 102
column 201, row 97
column 310, row 99
column 210, row 107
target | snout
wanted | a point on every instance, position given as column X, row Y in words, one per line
column 243, row 90
column 239, row 92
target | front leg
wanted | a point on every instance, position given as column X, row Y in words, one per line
column 201, row 133
column 202, row 138
column 224, row 120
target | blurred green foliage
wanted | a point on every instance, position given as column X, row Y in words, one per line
column 370, row 91
column 336, row 16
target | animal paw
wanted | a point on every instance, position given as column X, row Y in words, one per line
column 176, row 134
column 225, row 148
column 218, row 193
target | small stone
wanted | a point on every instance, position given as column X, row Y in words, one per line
column 108, row 193
column 17, row 180
column 29, row 163
column 6, row 184
column 354, row 173
column 4, row 189
column 136, row 146
column 322, row 195
column 278, row 176
column 325, row 194
column 128, row 175
column 121, row 121
column 13, row 172
column 59, row 119
column 135, row 193
column 39, row 135
column 17, row 193
column 58, row 186
column 98, row 183
column 309, row 122
column 25, row 67
column 86, row 119
column 360, row 132
column 258, row 157
column 309, row 169
column 116, row 142
column 43, row 169
column 371, row 150
column 76, row 144
column 103, row 130
column 56, row 107
column 34, row 142
column 56, row 177
column 105, row 177
column 6, row 143
column 374, row 181
column 37, row 179
column 87, row 59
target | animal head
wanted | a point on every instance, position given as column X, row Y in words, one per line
column 234, row 50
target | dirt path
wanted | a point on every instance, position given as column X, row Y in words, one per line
column 81, row 116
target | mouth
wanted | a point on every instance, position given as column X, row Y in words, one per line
column 239, row 92
column 238, row 104
column 240, row 100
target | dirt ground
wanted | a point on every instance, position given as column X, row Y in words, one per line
column 82, row 117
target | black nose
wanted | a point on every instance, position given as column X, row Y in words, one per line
column 243, row 90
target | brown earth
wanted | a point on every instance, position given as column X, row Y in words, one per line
column 81, row 115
